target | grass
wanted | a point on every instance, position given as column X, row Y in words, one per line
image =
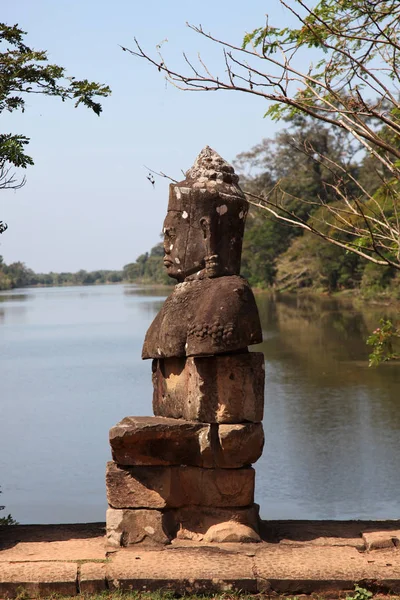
column 358, row 594
column 158, row 595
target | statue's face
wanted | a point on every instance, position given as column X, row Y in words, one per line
column 184, row 245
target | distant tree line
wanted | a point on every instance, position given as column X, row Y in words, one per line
column 275, row 254
column 17, row 275
column 291, row 258
column 286, row 258
column 148, row 268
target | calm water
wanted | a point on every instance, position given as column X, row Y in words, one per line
column 70, row 368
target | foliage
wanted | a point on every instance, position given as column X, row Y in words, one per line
column 17, row 275
column 23, row 71
column 360, row 593
column 283, row 257
column 382, row 340
column 305, row 181
column 8, row 520
column 264, row 240
column 310, row 263
column 380, row 282
column 148, row 268
column 351, row 83
column 279, row 255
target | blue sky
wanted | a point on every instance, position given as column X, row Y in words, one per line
column 87, row 203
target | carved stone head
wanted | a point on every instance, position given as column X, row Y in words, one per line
column 204, row 226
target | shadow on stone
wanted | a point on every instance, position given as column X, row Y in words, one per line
column 14, row 534
column 307, row 531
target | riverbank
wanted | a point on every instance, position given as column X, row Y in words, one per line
column 295, row 557
column 354, row 296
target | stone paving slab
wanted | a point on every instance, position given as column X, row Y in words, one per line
column 73, row 549
column 293, row 558
column 374, row 540
column 357, row 543
column 307, row 569
column 38, row 579
column 307, row 531
column 92, row 578
column 185, row 570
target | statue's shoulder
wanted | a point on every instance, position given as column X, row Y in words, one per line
column 208, row 316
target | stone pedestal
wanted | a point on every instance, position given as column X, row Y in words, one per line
column 186, row 471
column 218, row 389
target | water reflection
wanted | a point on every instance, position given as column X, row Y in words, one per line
column 13, row 307
column 157, row 291
column 9, row 296
column 151, row 308
column 324, row 337
column 147, row 300
column 332, row 424
column 71, row 368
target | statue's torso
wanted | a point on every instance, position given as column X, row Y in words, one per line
column 204, row 317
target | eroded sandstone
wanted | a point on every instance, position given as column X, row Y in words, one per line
column 186, row 472
column 160, row 441
column 175, row 487
column 217, row 389
column 126, row 527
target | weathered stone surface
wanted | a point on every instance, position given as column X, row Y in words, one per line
column 212, row 389
column 48, row 549
column 212, row 310
column 84, row 541
column 92, row 578
column 204, row 227
column 204, row 317
column 160, row 441
column 229, row 531
column 132, row 526
column 166, row 441
column 185, row 566
column 174, row 487
column 38, row 579
column 240, row 444
column 374, row 540
column 303, row 570
column 193, row 522
column 139, row 487
column 182, row 570
column 204, row 379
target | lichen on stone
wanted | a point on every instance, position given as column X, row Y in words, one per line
column 210, row 166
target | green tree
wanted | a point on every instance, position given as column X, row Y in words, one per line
column 279, row 161
column 148, row 268
column 23, row 71
column 8, row 520
column 350, row 84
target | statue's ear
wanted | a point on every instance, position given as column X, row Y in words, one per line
column 210, row 258
column 205, row 227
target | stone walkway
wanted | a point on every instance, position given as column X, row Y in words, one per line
column 295, row 557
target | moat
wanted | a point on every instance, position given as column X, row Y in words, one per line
column 71, row 366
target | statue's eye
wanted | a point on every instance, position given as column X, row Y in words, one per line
column 170, row 233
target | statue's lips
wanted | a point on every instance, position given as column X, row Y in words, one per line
column 167, row 262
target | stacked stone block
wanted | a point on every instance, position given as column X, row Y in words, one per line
column 186, row 472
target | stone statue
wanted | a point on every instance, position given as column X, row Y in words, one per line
column 186, row 471
column 212, row 310
column 204, row 226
